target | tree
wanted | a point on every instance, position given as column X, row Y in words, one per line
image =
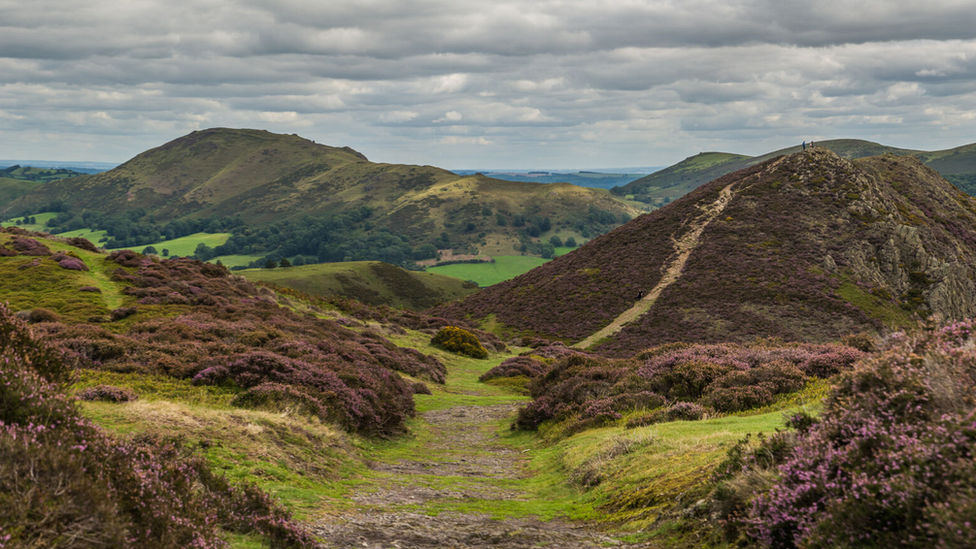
column 270, row 264
column 203, row 252
column 165, row 252
column 571, row 242
column 299, row 261
column 285, row 263
column 556, row 241
column 486, row 211
column 500, row 220
column 149, row 250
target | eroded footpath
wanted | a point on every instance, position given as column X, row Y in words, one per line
column 456, row 484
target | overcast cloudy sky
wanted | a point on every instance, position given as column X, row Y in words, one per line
column 487, row 83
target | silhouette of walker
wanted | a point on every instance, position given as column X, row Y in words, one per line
column 804, row 145
column 640, row 295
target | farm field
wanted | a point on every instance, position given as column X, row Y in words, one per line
column 504, row 268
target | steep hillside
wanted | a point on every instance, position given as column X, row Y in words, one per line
column 370, row 282
column 264, row 178
column 806, row 247
column 958, row 165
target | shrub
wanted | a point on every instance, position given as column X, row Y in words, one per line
column 29, row 246
column 889, row 463
column 91, row 289
column 123, row 312
column 458, row 340
column 107, row 393
column 421, row 388
column 514, row 367
column 42, row 315
column 278, row 397
column 66, row 483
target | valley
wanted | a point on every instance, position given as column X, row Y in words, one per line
column 708, row 374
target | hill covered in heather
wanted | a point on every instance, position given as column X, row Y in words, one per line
column 958, row 165
column 249, row 179
column 806, row 247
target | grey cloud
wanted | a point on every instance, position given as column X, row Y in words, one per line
column 562, row 81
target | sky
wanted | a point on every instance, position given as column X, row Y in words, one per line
column 487, row 83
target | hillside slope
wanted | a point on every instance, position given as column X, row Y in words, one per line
column 957, row 164
column 369, row 282
column 265, row 178
column 806, row 247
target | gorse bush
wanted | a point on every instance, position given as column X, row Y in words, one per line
column 890, row 462
column 459, row 340
column 65, row 483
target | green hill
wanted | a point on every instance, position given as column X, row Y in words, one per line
column 264, row 178
column 370, row 282
column 958, row 165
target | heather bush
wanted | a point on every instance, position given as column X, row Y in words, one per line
column 889, row 463
column 421, row 388
column 372, row 402
column 514, row 367
column 70, row 262
column 65, row 483
column 35, row 316
column 29, row 246
column 91, row 289
column 83, row 243
column 277, row 397
column 123, row 312
column 107, row 393
column 458, row 340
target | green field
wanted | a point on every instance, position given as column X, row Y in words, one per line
column 185, row 246
column 41, row 219
column 504, row 268
column 370, row 282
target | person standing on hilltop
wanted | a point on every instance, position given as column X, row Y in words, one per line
column 804, row 145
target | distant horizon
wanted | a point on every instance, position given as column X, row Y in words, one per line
column 635, row 169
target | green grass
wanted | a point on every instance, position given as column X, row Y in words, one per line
column 187, row 245
column 369, row 282
column 41, row 219
column 504, row 268
column 890, row 314
column 48, row 286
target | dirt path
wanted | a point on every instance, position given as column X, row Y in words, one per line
column 458, row 467
column 682, row 251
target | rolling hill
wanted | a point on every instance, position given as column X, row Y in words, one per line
column 265, row 178
column 370, row 282
column 807, row 247
column 958, row 165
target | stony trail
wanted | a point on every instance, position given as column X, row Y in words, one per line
column 460, row 460
column 682, row 251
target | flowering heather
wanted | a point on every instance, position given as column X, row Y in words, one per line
column 29, row 246
column 890, row 462
column 64, row 479
column 709, row 378
column 516, row 366
column 810, row 247
column 69, row 261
